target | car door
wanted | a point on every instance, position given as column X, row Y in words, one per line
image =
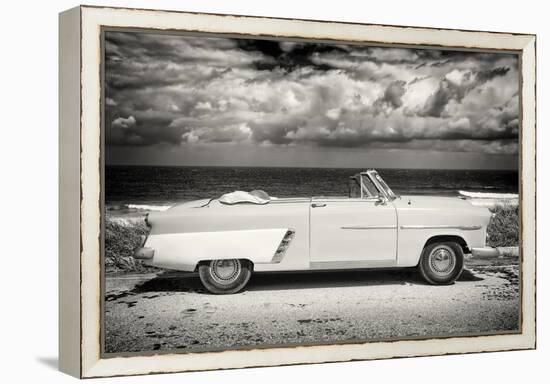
column 354, row 232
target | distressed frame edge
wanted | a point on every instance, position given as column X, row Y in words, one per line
column 528, row 166
column 92, row 365
column 69, row 193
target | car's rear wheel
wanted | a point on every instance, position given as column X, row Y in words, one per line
column 441, row 262
column 225, row 276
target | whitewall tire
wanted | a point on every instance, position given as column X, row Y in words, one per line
column 225, row 276
column 441, row 263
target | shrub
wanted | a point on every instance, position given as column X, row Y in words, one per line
column 503, row 230
column 122, row 236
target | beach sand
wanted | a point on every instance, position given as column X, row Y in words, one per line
column 171, row 311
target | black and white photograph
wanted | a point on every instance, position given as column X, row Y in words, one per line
column 273, row 192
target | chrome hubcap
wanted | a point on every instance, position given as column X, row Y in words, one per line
column 225, row 271
column 442, row 260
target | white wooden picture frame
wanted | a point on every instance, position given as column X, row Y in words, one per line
column 80, row 71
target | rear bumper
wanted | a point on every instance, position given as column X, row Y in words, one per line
column 144, row 253
column 485, row 252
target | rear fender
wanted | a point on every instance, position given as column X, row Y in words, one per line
column 183, row 251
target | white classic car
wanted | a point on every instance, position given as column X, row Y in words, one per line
column 228, row 238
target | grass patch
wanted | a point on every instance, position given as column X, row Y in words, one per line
column 503, row 230
column 121, row 238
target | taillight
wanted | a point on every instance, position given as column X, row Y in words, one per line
column 142, row 240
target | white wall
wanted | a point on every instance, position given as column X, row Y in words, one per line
column 28, row 139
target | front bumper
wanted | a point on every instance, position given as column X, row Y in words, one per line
column 485, row 252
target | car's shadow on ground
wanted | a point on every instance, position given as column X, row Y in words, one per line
column 333, row 279
column 171, row 281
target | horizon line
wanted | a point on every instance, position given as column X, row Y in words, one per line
column 310, row 167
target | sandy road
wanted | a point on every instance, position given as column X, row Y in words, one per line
column 171, row 311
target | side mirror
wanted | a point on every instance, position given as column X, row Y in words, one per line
column 380, row 200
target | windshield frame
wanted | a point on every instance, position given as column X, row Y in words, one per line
column 380, row 184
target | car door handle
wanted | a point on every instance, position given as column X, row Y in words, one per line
column 318, row 205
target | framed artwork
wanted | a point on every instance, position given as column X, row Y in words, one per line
column 244, row 191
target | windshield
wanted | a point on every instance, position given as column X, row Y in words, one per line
column 361, row 186
column 369, row 189
column 354, row 187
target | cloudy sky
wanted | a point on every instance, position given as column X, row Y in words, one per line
column 183, row 100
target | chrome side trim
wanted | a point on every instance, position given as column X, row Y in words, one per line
column 290, row 200
column 344, row 199
column 283, row 246
column 351, row 264
column 369, row 227
column 460, row 227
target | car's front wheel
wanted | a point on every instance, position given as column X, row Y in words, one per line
column 225, row 276
column 441, row 262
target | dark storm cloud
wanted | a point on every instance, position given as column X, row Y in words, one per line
column 487, row 75
column 288, row 56
column 456, row 88
column 440, row 63
column 166, row 89
column 417, row 79
column 392, row 96
column 152, row 130
column 438, row 101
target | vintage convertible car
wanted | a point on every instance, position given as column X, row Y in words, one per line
column 226, row 239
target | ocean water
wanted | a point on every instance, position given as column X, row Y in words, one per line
column 161, row 186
